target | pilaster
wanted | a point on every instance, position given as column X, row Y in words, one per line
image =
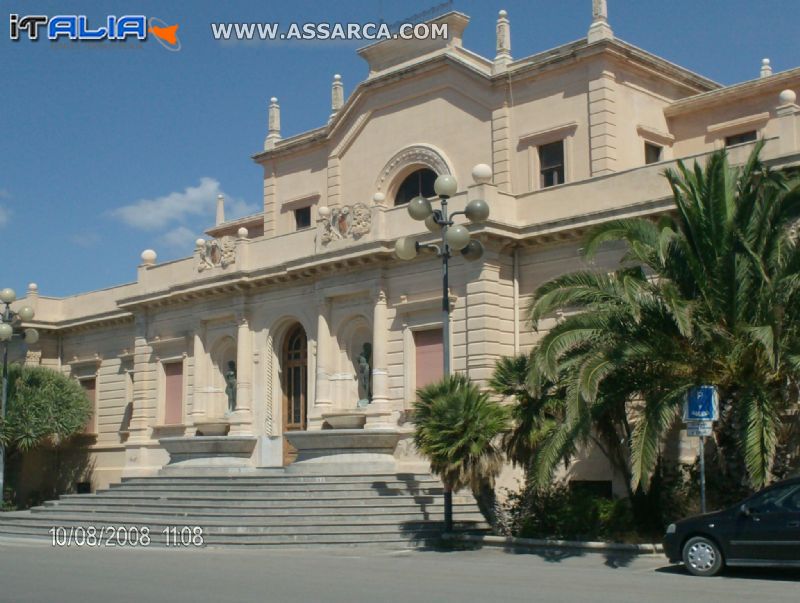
column 603, row 124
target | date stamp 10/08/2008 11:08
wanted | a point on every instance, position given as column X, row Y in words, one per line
column 133, row 536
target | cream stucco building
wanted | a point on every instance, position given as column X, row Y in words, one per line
column 573, row 136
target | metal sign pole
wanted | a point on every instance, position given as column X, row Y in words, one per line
column 702, row 475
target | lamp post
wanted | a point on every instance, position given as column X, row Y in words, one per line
column 454, row 238
column 10, row 326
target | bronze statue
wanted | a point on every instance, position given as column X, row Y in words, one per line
column 365, row 375
column 230, row 387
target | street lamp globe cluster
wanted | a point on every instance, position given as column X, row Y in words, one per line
column 11, row 320
column 10, row 327
column 454, row 238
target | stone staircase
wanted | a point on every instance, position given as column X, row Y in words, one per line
column 258, row 508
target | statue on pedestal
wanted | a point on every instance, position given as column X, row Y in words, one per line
column 364, row 375
column 230, row 386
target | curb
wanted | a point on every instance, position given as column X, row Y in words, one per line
column 532, row 543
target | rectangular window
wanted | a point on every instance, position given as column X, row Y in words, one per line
column 90, row 387
column 652, row 153
column 429, row 356
column 302, row 218
column 173, row 393
column 741, row 138
column 551, row 164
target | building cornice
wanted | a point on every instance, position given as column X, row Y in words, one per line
column 481, row 67
column 733, row 93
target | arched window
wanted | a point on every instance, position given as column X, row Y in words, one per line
column 419, row 182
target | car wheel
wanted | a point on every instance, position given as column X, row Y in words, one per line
column 702, row 556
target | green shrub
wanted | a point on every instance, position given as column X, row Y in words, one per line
column 561, row 513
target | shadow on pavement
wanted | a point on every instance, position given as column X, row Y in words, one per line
column 741, row 573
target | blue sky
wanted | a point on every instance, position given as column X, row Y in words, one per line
column 109, row 149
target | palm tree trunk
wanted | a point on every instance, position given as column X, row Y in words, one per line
column 487, row 504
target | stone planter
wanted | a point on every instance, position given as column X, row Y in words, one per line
column 212, row 428
column 344, row 451
column 345, row 420
column 209, row 451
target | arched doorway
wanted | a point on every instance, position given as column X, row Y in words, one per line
column 294, row 370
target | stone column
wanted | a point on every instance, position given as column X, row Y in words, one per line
column 199, row 394
column 143, row 455
column 143, row 382
column 380, row 414
column 322, row 388
column 242, row 423
column 380, row 373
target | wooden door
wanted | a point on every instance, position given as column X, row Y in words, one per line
column 295, row 387
column 429, row 357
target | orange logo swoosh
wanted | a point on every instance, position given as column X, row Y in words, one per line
column 168, row 34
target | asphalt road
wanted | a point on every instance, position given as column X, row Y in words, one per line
column 41, row 573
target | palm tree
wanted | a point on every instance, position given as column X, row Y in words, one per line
column 457, row 429
column 533, row 415
column 707, row 297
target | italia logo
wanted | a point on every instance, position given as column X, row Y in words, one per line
column 78, row 27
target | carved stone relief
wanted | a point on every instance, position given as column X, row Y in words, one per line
column 217, row 253
column 346, row 222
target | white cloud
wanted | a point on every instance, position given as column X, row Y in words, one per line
column 180, row 238
column 177, row 207
column 85, row 239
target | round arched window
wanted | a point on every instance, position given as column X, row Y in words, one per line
column 419, row 182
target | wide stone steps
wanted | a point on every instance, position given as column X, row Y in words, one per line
column 168, row 507
column 269, row 509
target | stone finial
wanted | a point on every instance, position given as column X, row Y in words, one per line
column 787, row 97
column 599, row 10
column 766, row 68
column 600, row 29
column 337, row 95
column 273, row 124
column 503, row 38
column 33, row 289
column 220, row 210
column 481, row 173
column 149, row 257
column 200, row 243
column 242, row 233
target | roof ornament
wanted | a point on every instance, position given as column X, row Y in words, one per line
column 503, row 56
column 220, row 210
column 337, row 95
column 273, row 124
column 766, row 68
column 599, row 29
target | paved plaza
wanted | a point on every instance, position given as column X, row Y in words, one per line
column 35, row 572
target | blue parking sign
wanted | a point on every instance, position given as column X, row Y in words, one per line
column 702, row 404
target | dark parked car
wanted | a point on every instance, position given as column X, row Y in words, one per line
column 763, row 530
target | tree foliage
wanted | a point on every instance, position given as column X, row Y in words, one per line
column 42, row 405
column 457, row 429
column 710, row 296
